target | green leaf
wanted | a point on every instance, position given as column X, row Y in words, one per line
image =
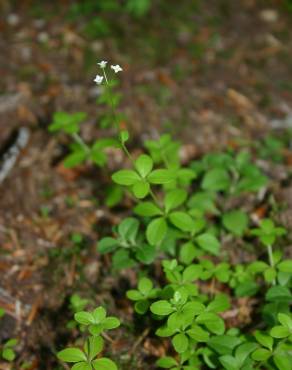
column 111, row 323
column 128, row 228
column 223, row 344
column 81, row 366
column 104, row 364
column 174, row 199
column 107, row 245
column 209, row 243
column 147, row 209
column 229, row 362
column 71, row 355
column 203, row 202
column 124, row 136
column 8, row 354
column 114, row 195
column 181, row 220
column 69, row 123
column 246, row 288
column 161, row 176
column 141, row 189
column 285, row 320
column 180, row 342
column 187, row 253
column 192, row 273
column 75, row 158
column 125, row 177
column 243, row 351
column 236, row 222
column 134, row 295
column 278, row 293
column 264, row 339
column 145, row 285
column 141, row 307
column 121, row 260
column 144, row 165
column 156, row 231
column 279, row 332
column 161, row 308
column 285, row 266
column 270, row 274
column 99, row 314
column 257, row 267
column 93, row 346
column 146, row 253
column 166, row 362
column 213, row 322
column 10, row 343
column 199, row 334
column 261, row 354
column 216, row 179
column 219, row 304
column 2, row 312
column 84, row 318
column 282, row 361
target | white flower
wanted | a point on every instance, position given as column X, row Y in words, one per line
column 98, row 79
column 102, row 64
column 117, row 68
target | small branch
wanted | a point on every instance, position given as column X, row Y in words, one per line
column 139, row 340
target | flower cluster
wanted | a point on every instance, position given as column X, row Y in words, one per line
column 98, row 78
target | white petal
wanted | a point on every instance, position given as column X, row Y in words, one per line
column 98, row 79
column 102, row 64
column 116, row 68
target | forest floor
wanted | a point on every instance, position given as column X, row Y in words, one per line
column 214, row 74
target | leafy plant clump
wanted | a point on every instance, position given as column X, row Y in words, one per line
column 181, row 215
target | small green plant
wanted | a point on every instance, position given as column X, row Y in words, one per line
column 7, row 351
column 267, row 233
column 96, row 322
column 77, row 304
column 143, row 295
column 178, row 219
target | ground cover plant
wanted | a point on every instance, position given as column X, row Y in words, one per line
column 171, row 236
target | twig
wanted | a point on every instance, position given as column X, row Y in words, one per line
column 139, row 340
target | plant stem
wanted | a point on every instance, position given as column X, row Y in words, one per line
column 271, row 258
column 81, row 142
column 113, row 112
column 270, row 253
column 155, row 198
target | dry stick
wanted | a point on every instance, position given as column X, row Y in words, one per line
column 140, row 339
column 107, row 337
column 10, row 157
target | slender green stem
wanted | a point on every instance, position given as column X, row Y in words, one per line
column 271, row 259
column 114, row 116
column 125, row 149
column 270, row 253
column 113, row 112
column 128, row 154
column 155, row 198
column 81, row 142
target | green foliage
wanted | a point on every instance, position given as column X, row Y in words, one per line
column 267, row 232
column 129, row 246
column 143, row 295
column 85, row 359
column 180, row 219
column 236, row 222
column 8, row 352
